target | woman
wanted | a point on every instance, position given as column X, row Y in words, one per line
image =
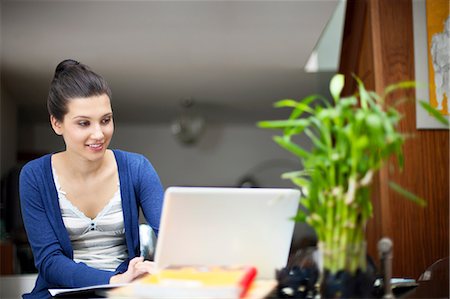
column 80, row 206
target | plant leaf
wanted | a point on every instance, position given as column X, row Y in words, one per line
column 336, row 86
column 295, row 174
column 418, row 200
column 348, row 101
column 290, row 146
column 305, row 101
column 281, row 124
column 316, row 141
column 399, row 85
column 293, row 130
column 435, row 113
column 302, row 183
column 297, row 177
column 363, row 94
column 300, row 217
column 285, row 103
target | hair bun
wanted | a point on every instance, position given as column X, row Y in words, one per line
column 65, row 65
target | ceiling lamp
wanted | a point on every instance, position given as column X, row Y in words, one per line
column 189, row 125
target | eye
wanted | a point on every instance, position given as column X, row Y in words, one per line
column 106, row 120
column 83, row 123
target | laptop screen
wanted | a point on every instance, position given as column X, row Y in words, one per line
column 227, row 226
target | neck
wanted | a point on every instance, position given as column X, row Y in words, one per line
column 83, row 169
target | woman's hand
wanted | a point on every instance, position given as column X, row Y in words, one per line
column 146, row 267
column 136, row 268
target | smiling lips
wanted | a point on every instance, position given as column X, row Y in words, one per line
column 96, row 147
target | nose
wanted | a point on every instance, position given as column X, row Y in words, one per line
column 97, row 132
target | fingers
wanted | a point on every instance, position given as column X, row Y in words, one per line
column 135, row 260
column 146, row 267
column 136, row 268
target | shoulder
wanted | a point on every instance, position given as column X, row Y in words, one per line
column 133, row 163
column 35, row 173
column 37, row 165
column 128, row 157
column 135, row 168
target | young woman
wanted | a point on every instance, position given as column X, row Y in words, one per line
column 81, row 206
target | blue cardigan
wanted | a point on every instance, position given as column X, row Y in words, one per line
column 53, row 254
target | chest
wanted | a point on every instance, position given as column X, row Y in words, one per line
column 91, row 196
column 108, row 222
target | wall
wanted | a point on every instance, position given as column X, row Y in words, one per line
column 8, row 131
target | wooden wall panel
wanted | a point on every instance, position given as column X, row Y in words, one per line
column 6, row 258
column 354, row 27
column 385, row 55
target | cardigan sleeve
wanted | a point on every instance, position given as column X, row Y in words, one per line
column 150, row 193
column 53, row 264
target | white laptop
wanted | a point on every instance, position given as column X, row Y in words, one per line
column 227, row 226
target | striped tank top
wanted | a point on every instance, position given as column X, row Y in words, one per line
column 99, row 242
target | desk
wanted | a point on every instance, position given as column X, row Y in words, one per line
column 260, row 289
column 434, row 282
column 426, row 289
column 436, row 288
column 429, row 289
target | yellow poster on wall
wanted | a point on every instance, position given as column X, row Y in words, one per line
column 438, row 29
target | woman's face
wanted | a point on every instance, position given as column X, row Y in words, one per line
column 88, row 126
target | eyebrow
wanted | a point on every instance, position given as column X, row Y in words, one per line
column 82, row 116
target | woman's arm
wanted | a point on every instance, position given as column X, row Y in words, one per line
column 150, row 193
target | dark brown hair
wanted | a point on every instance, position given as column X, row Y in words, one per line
column 73, row 80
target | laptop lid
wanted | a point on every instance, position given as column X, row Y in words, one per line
column 227, row 226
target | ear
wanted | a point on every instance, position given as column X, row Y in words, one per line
column 56, row 125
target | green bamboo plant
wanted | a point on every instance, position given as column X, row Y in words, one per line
column 351, row 137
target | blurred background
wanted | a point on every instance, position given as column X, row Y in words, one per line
column 190, row 79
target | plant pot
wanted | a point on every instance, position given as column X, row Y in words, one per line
column 351, row 276
column 344, row 284
column 299, row 279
